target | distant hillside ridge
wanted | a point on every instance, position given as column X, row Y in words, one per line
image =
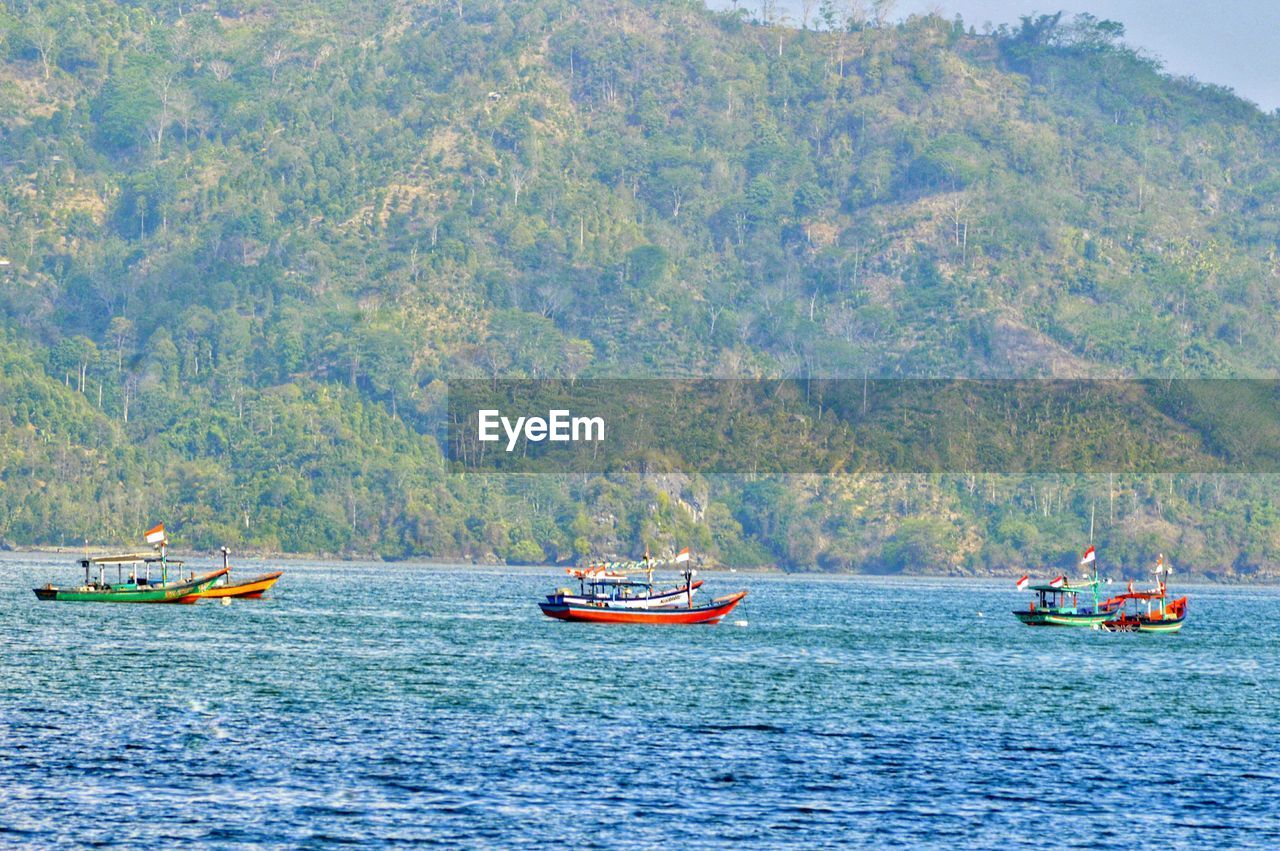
column 247, row 243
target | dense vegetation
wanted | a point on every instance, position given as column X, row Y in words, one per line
column 242, row 245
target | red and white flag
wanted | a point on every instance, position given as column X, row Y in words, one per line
column 155, row 535
column 1058, row 582
column 1024, row 582
column 682, row 556
column 1088, row 556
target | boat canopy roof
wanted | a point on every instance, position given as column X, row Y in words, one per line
column 601, row 573
column 1137, row 595
column 619, row 568
column 128, row 558
column 617, row 581
column 1062, row 589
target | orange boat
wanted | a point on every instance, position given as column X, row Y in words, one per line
column 248, row 588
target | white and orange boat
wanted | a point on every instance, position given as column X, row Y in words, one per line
column 608, row 594
column 602, row 612
column 624, row 585
column 246, row 588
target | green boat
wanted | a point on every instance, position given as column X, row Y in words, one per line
column 134, row 590
column 137, row 587
column 1058, row 603
column 1060, row 606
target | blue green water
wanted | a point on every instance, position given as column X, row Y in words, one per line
column 379, row 704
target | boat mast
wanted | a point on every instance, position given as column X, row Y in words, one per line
column 1095, row 558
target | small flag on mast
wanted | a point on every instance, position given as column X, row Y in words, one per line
column 1024, row 582
column 682, row 556
column 155, row 535
column 1088, row 556
column 1058, row 582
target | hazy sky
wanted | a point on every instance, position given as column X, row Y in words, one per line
column 1233, row 43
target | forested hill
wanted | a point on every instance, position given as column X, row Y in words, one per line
column 242, row 244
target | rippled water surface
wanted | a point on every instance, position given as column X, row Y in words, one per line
column 378, row 704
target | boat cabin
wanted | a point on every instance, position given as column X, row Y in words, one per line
column 133, row 561
column 1064, row 598
column 616, row 589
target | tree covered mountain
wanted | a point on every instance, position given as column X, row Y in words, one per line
column 247, row 242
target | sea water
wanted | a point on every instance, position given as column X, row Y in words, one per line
column 387, row 704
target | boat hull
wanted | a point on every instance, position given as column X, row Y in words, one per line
column 1048, row 617
column 180, row 592
column 248, row 589
column 1136, row 624
column 1167, row 625
column 713, row 612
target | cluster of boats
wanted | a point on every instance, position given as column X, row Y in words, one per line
column 168, row 587
column 1060, row 602
column 625, row 592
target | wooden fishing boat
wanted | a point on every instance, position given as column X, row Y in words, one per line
column 1158, row 615
column 138, row 590
column 1060, row 606
column 1146, row 611
column 609, row 595
column 623, row 593
column 138, row 587
column 601, row 612
column 246, row 588
column 618, row 583
column 1058, row 602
